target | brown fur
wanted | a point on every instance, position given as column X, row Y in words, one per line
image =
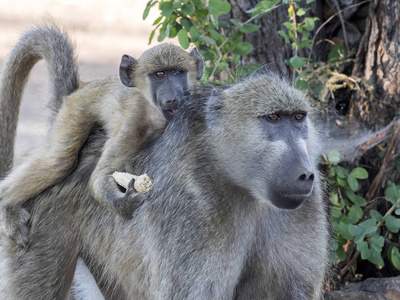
column 129, row 115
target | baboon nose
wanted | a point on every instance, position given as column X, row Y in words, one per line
column 307, row 177
column 171, row 102
column 305, row 181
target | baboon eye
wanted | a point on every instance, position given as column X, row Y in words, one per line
column 299, row 117
column 274, row 117
column 160, row 74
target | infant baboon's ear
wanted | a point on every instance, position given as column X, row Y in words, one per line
column 127, row 70
column 199, row 61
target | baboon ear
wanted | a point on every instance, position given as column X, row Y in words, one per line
column 127, row 70
column 199, row 61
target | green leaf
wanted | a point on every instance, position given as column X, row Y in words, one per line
column 249, row 28
column 393, row 193
column 334, row 245
column 183, row 38
column 369, row 226
column 392, row 223
column 302, row 85
column 334, row 156
column 215, row 35
column 336, row 211
column 377, row 242
column 336, row 52
column 284, row 35
column 198, row 3
column 186, row 24
column 359, row 173
column 187, row 9
column 365, row 253
column 341, row 182
column 208, row 40
column 344, row 231
column 161, row 35
column 149, row 5
column 376, row 258
column 342, row 172
column 355, row 214
column 219, row 7
column 394, row 256
column 167, row 8
column 301, row 12
column 340, row 254
column 362, row 245
column 168, row 30
column 194, row 34
column 152, row 35
column 296, row 62
column 309, row 23
column 214, row 20
column 243, row 48
column 353, row 183
column 375, row 215
column 397, row 211
column 236, row 23
column 158, row 20
column 354, row 230
column 201, row 14
column 356, row 199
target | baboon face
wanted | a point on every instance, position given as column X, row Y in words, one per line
column 168, row 88
column 163, row 73
column 273, row 157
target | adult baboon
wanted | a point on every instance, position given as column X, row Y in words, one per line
column 236, row 211
column 132, row 115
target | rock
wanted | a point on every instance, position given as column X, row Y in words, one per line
column 371, row 289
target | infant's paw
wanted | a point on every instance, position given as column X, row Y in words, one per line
column 126, row 205
column 16, row 227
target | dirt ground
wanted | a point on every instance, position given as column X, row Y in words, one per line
column 102, row 30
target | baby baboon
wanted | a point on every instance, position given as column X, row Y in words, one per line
column 237, row 190
column 130, row 115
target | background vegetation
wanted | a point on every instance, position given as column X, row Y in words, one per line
column 345, row 55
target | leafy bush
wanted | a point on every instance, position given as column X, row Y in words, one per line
column 222, row 43
column 354, row 222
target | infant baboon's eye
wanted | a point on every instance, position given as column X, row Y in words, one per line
column 274, row 117
column 160, row 74
column 299, row 117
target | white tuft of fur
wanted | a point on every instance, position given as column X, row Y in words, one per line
column 84, row 287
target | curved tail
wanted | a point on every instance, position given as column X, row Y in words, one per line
column 46, row 42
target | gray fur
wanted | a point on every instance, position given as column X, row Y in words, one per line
column 201, row 233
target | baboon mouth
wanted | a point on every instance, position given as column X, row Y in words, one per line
column 290, row 201
column 170, row 113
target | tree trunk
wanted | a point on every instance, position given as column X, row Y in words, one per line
column 377, row 64
column 270, row 49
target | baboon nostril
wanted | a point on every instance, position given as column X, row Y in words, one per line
column 171, row 101
column 304, row 177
